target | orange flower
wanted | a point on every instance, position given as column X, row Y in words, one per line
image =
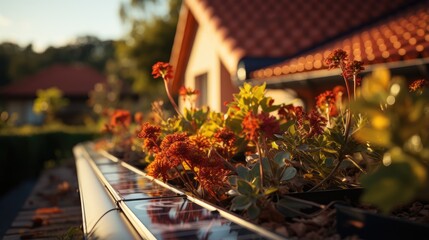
column 162, row 69
column 188, row 92
column 160, row 167
column 226, row 137
column 261, row 124
column 326, row 101
column 138, row 117
column 213, row 179
column 250, row 126
column 150, row 134
column 418, row 85
column 120, row 118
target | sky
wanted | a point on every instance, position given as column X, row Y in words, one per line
column 56, row 22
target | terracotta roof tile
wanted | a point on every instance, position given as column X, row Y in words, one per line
column 272, row 28
column 73, row 80
column 401, row 37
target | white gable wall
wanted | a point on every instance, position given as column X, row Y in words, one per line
column 204, row 59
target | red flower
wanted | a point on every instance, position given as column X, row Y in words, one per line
column 262, row 124
column 418, row 85
column 172, row 138
column 354, row 68
column 213, row 179
column 120, row 118
column 150, row 134
column 335, row 58
column 327, row 100
column 268, row 125
column 291, row 112
column 138, row 117
column 317, row 123
column 226, row 137
column 162, row 69
column 160, row 167
column 184, row 92
column 224, row 141
column 250, row 126
column 178, row 152
column 149, row 131
column 339, row 90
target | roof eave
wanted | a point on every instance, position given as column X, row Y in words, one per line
column 300, row 78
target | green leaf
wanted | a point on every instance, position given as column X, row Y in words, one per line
column 330, row 150
column 244, row 187
column 280, row 157
column 270, row 190
column 292, row 130
column 253, row 211
column 242, row 171
column 329, row 162
column 241, row 202
column 254, row 172
column 232, row 180
column 256, row 183
column 288, row 174
column 390, row 186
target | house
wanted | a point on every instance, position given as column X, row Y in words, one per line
column 220, row 44
column 399, row 42
column 75, row 82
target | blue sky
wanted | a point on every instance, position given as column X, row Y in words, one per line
column 57, row 22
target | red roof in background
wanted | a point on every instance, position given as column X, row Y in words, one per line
column 273, row 28
column 73, row 80
column 403, row 36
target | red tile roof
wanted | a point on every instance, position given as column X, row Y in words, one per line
column 403, row 36
column 73, row 80
column 273, row 28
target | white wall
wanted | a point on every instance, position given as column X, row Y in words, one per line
column 204, row 59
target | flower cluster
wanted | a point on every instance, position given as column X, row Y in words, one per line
column 163, row 70
column 184, row 157
column 188, row 92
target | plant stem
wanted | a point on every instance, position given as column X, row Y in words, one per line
column 176, row 108
column 261, row 168
column 341, row 156
column 354, row 87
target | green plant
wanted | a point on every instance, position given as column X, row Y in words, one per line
column 49, row 102
column 397, row 120
column 283, row 145
column 249, row 194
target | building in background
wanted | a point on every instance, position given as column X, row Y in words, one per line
column 221, row 44
column 75, row 81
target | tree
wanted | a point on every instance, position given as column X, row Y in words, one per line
column 17, row 62
column 152, row 26
column 49, row 102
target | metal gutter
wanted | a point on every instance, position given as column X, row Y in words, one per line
column 101, row 217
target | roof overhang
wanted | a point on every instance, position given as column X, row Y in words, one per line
column 415, row 68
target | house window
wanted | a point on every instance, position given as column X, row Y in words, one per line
column 201, row 85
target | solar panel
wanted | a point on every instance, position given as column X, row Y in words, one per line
column 160, row 211
column 179, row 218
